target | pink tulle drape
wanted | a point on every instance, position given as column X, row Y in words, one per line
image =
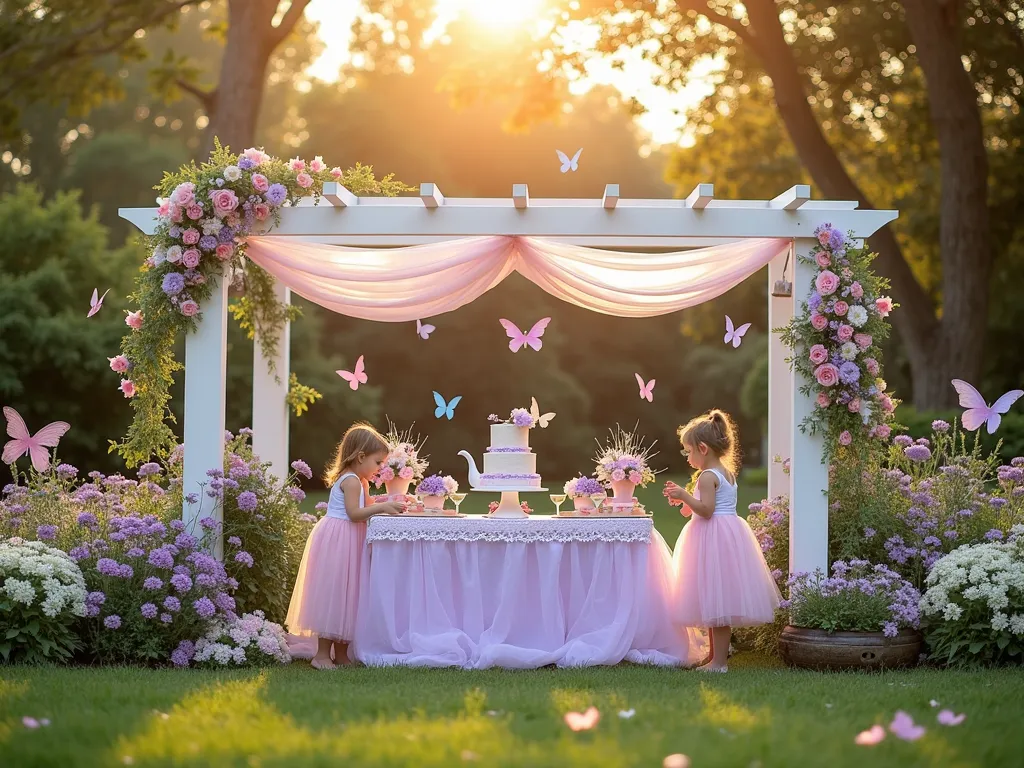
column 403, row 284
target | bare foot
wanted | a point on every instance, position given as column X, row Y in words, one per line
column 322, row 664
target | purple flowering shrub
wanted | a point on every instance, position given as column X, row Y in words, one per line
column 857, row 597
column 264, row 531
column 769, row 520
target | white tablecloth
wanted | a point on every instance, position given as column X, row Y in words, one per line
column 478, row 593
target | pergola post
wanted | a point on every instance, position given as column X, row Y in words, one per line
column 780, row 381
column 205, row 379
column 269, row 390
column 808, row 476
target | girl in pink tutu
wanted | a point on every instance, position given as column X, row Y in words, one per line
column 722, row 580
column 327, row 588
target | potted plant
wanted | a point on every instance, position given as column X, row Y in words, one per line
column 435, row 489
column 404, row 465
column 864, row 616
column 623, row 464
column 581, row 489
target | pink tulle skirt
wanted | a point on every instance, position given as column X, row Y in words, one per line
column 721, row 576
column 326, row 592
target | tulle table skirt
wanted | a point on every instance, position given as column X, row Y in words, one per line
column 480, row 604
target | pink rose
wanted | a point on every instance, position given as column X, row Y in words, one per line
column 128, row 387
column 856, row 290
column 118, row 364
column 224, row 251
column 884, row 305
column 406, row 473
column 823, row 401
column 818, row 354
column 872, row 365
column 387, row 474
column 845, row 438
column 189, row 308
column 635, row 477
column 618, row 475
column 184, row 194
column 260, row 183
column 826, row 282
column 841, row 308
column 335, row 173
column 295, row 164
column 261, row 211
column 823, row 259
column 827, row 375
column 190, row 236
column 190, row 258
column 863, row 340
column 134, row 320
column 224, row 202
column 819, row 322
column 194, row 211
column 176, row 214
column 258, row 156
column 164, row 211
column 174, row 254
column 304, row 180
column 883, row 431
column 886, row 403
column 845, row 332
column 854, row 405
column 823, row 235
column 317, row 164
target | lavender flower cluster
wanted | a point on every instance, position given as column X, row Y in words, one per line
column 583, row 486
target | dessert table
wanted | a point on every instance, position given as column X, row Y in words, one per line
column 475, row 592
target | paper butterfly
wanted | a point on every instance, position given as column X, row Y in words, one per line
column 34, row 445
column 978, row 411
column 424, row 331
column 646, row 391
column 870, row 737
column 904, row 727
column 734, row 335
column 582, row 721
column 535, row 412
column 567, row 164
column 443, row 408
column 96, row 302
column 531, row 339
column 356, row 377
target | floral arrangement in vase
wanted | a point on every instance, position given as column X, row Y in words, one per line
column 404, row 464
column 580, row 490
column 433, row 490
column 835, row 342
column 624, row 463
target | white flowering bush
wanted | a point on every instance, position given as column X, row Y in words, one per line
column 247, row 641
column 42, row 594
column 973, row 607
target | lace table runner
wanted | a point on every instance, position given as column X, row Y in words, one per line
column 536, row 528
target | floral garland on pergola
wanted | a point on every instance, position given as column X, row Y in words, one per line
column 835, row 341
column 205, row 214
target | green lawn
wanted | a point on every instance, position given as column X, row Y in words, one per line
column 757, row 715
column 752, row 487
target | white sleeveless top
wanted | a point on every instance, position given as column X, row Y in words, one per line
column 725, row 495
column 336, row 502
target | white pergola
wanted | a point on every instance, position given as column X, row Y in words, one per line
column 344, row 219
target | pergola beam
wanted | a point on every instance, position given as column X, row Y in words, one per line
column 793, row 198
column 521, row 196
column 337, row 195
column 431, row 195
column 611, row 196
column 700, row 197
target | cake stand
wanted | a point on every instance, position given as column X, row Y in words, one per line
column 509, row 508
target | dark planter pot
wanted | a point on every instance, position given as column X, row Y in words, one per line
column 818, row 649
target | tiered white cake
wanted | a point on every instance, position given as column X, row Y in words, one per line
column 509, row 462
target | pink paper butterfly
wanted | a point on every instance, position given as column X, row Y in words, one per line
column 903, row 727
column 96, row 302
column 978, row 411
column 582, row 721
column 734, row 335
column 948, row 717
column 424, row 331
column 646, row 391
column 870, row 737
column 531, row 339
column 356, row 377
column 34, row 445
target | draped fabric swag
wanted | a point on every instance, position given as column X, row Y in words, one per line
column 404, row 284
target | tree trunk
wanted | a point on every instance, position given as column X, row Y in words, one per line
column 916, row 321
column 964, row 238
column 243, row 71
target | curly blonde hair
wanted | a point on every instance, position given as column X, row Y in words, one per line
column 359, row 438
column 717, row 430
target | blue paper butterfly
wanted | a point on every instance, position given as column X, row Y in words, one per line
column 443, row 408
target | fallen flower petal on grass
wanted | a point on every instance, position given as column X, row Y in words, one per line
column 870, row 737
column 677, row 760
column 903, row 727
column 948, row 717
column 583, row 721
column 625, row 714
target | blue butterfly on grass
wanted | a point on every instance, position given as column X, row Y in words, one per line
column 445, row 409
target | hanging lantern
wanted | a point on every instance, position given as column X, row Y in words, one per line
column 783, row 287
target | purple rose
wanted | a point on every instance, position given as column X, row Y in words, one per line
column 208, row 242
column 276, row 194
